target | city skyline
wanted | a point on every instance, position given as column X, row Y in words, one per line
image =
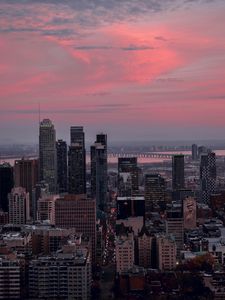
column 144, row 69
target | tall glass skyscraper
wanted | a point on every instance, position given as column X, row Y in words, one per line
column 77, row 161
column 47, row 154
column 178, row 172
column 99, row 170
column 61, row 148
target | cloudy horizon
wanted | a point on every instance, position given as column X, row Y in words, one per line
column 137, row 70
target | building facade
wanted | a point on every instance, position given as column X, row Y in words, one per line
column 47, row 154
column 155, row 191
column 207, row 176
column 19, row 206
column 178, row 172
column 76, row 211
column 99, row 180
column 62, row 176
column 62, row 276
column 166, row 253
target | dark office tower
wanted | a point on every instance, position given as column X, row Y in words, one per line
column 61, row 149
column 6, row 184
column 76, row 170
column 77, row 161
column 129, row 165
column 77, row 135
column 207, row 175
column 99, row 171
column 194, row 152
column 154, row 193
column 203, row 150
column 178, row 172
column 102, row 139
column 126, row 164
column 47, row 154
column 26, row 176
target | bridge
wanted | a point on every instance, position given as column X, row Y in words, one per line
column 144, row 155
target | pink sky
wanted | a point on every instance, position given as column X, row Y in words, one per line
column 145, row 70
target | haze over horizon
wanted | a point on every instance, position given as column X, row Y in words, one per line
column 136, row 70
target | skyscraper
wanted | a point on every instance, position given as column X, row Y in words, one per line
column 154, row 192
column 77, row 161
column 61, row 148
column 6, row 184
column 194, row 152
column 19, row 209
column 178, row 172
column 47, row 154
column 207, row 175
column 99, row 170
column 26, row 175
column 128, row 165
column 77, row 135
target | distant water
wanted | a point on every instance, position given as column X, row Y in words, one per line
column 141, row 160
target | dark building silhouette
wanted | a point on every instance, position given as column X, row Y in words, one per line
column 207, row 175
column 6, row 185
column 26, row 176
column 130, row 207
column 77, row 135
column 128, row 165
column 154, row 193
column 61, row 149
column 178, row 172
column 99, row 170
column 77, row 161
column 194, row 152
column 202, row 150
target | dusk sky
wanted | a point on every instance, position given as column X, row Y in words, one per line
column 135, row 69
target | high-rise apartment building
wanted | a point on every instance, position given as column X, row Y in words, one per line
column 76, row 211
column 124, row 246
column 40, row 190
column 175, row 227
column 61, row 149
column 26, row 176
column 154, row 192
column 6, row 184
column 166, row 252
column 77, row 161
column 207, row 175
column 47, row 154
column 19, row 208
column 178, row 172
column 144, row 248
column 10, row 279
column 64, row 275
column 99, row 183
column 46, row 208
